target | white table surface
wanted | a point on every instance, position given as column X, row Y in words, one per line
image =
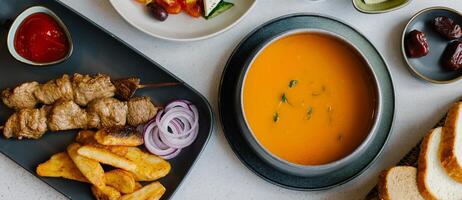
column 218, row 173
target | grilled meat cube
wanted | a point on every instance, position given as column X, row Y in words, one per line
column 66, row 115
column 87, row 88
column 54, row 90
column 26, row 123
column 11, row 126
column 93, row 120
column 107, row 112
column 33, row 122
column 126, row 88
column 140, row 110
column 120, row 135
column 21, row 96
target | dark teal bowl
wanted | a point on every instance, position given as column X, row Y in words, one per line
column 234, row 125
column 310, row 170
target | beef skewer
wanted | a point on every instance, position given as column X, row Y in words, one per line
column 126, row 88
column 79, row 88
column 67, row 115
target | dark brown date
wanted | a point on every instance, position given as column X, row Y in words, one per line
column 452, row 56
column 157, row 11
column 416, row 44
column 446, row 27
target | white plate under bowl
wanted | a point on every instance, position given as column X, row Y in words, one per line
column 181, row 27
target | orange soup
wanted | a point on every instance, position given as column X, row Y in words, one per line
column 309, row 99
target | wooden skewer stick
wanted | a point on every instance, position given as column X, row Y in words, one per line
column 157, row 85
column 126, row 88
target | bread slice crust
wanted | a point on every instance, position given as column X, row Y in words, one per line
column 448, row 157
column 422, row 168
column 384, row 182
column 432, row 180
column 383, row 185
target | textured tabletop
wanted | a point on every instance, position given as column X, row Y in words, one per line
column 218, row 173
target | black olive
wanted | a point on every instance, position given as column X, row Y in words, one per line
column 157, row 11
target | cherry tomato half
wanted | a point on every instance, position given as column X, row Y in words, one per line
column 171, row 6
column 193, row 8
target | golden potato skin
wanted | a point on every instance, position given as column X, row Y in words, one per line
column 154, row 190
column 106, row 157
column 105, row 193
column 121, row 180
column 123, row 136
column 138, row 186
column 149, row 167
column 117, row 184
column 85, row 137
column 60, row 165
column 91, row 169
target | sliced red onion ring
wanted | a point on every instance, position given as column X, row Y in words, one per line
column 174, row 128
column 155, row 145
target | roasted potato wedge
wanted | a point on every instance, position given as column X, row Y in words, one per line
column 90, row 168
column 152, row 191
column 149, row 167
column 85, row 137
column 106, row 157
column 123, row 136
column 60, row 165
column 105, row 193
column 138, row 186
column 121, row 180
column 119, row 150
column 156, row 197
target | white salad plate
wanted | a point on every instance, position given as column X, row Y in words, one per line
column 181, row 27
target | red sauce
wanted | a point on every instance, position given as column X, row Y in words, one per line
column 41, row 39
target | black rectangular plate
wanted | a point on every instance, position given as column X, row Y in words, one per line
column 95, row 51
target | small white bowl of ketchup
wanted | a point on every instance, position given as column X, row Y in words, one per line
column 38, row 37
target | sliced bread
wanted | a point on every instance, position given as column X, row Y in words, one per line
column 451, row 145
column 432, row 180
column 399, row 183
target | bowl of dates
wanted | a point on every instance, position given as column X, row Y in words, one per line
column 431, row 45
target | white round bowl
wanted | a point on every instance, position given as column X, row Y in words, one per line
column 17, row 22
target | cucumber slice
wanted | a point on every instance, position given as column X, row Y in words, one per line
column 221, row 7
column 209, row 6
